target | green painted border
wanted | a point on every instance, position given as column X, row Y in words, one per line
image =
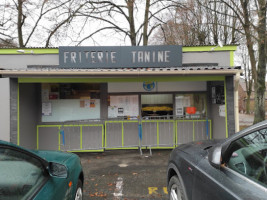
column 232, row 58
column 56, row 50
column 153, row 147
column 92, row 151
column 59, row 137
column 158, row 133
column 209, row 48
column 18, row 122
column 194, row 130
column 81, row 137
column 28, row 51
column 226, row 119
column 129, row 79
column 37, row 137
column 160, row 120
column 105, row 134
column 122, row 134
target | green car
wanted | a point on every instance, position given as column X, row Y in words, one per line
column 27, row 174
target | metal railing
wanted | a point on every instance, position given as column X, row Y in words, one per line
column 130, row 133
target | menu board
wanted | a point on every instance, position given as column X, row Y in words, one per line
column 123, row 106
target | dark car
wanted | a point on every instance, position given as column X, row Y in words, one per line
column 233, row 168
column 27, row 174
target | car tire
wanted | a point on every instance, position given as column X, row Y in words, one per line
column 175, row 189
column 79, row 191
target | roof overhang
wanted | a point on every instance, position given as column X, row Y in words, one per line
column 183, row 71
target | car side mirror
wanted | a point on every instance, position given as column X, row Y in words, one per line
column 58, row 170
column 214, row 156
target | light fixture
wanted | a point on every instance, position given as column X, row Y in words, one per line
column 25, row 51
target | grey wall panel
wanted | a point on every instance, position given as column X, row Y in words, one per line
column 218, row 123
column 5, row 109
column 92, row 137
column 184, row 132
column 113, row 135
column 220, row 57
column 48, row 138
column 130, row 136
column 21, row 61
column 229, row 80
column 149, row 131
column 28, row 115
column 166, row 134
column 200, row 128
column 72, row 138
column 185, row 86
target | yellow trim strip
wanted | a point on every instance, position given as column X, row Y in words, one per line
column 210, row 48
column 81, row 137
column 59, row 138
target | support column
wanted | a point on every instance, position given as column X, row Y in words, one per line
column 229, row 84
column 14, row 111
column 104, row 101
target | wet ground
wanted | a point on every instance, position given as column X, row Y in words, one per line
column 125, row 175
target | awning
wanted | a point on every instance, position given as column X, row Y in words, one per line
column 175, row 71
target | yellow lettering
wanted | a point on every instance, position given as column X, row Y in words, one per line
column 152, row 190
column 165, row 190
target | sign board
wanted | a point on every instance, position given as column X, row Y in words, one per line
column 120, row 57
column 222, row 111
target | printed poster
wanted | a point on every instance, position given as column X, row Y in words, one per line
column 47, row 109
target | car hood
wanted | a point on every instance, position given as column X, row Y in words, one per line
column 199, row 147
column 54, row 156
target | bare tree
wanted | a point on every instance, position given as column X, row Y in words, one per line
column 37, row 21
column 252, row 16
column 247, row 75
column 197, row 23
column 7, row 43
column 125, row 18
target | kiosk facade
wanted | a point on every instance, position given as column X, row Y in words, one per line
column 97, row 98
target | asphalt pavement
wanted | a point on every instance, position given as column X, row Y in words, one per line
column 125, row 175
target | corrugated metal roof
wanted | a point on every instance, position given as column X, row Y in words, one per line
column 55, row 70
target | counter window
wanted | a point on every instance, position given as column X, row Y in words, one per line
column 154, row 105
column 70, row 102
column 190, row 105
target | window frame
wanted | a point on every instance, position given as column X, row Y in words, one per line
column 43, row 163
column 227, row 148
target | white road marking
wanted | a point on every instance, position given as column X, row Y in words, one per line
column 118, row 190
column 123, row 165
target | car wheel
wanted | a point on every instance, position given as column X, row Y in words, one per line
column 79, row 191
column 175, row 189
